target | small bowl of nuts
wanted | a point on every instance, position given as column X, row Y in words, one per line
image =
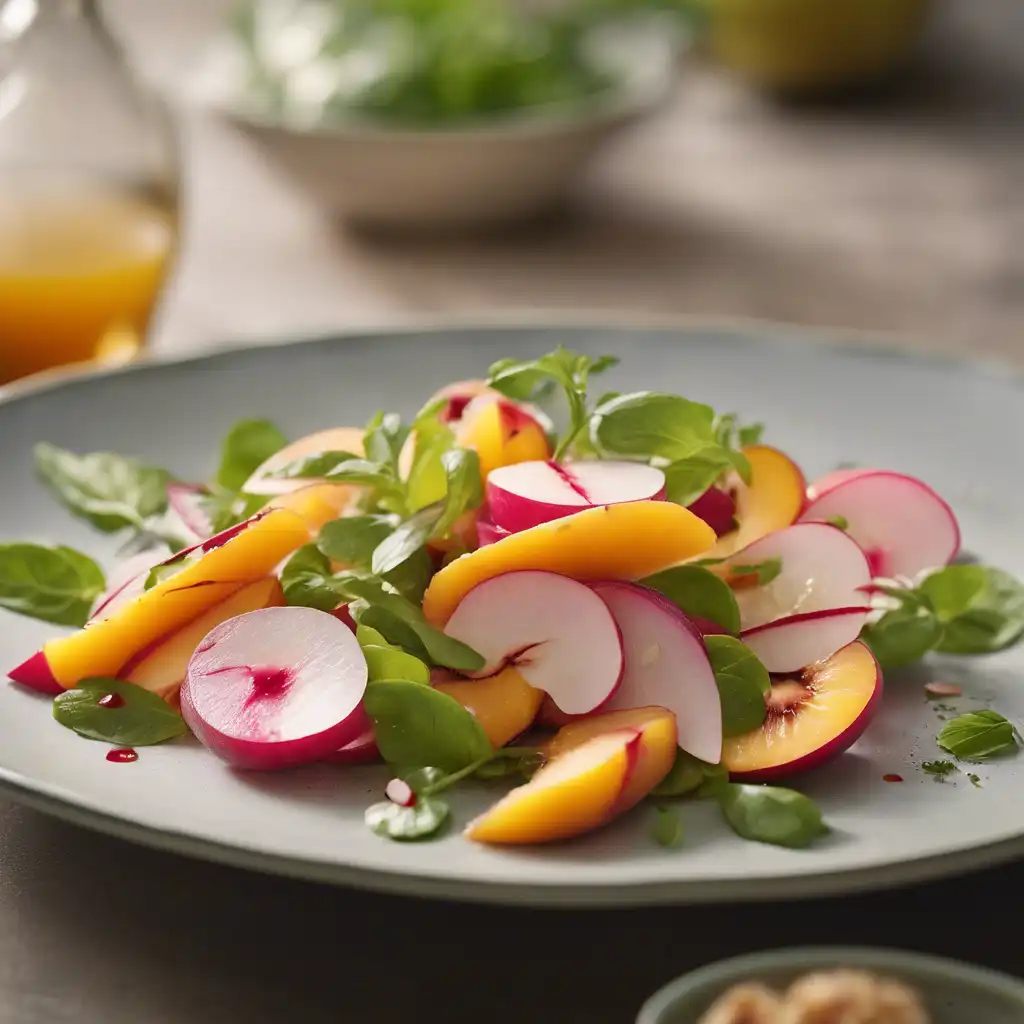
column 838, row 986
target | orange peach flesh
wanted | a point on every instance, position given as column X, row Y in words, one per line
column 318, row 504
column 505, row 704
column 805, row 715
column 502, row 434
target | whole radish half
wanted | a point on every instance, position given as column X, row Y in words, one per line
column 276, row 688
column 527, row 494
column 184, row 502
column 799, row 641
column 903, row 526
column 821, row 568
column 717, row 508
column 558, row 633
column 666, row 665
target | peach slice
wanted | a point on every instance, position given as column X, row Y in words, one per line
column 502, row 433
column 162, row 667
column 903, row 526
column 774, row 499
column 812, row 718
column 505, row 704
column 614, row 542
column 586, row 785
column 224, row 563
column 318, row 504
column 337, row 439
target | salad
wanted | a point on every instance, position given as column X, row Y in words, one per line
column 644, row 603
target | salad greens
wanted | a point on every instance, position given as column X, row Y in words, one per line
column 978, row 735
column 134, row 718
column 58, row 585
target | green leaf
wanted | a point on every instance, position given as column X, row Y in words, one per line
column 384, row 439
column 687, row 775
column 390, row 626
column 411, row 578
column 464, row 487
column 352, row 540
column 699, row 593
column 743, row 683
column 306, row 580
column 751, row 435
column 839, row 522
column 668, row 828
column 109, row 491
column 902, row 636
column 249, row 443
column 426, row 483
column 387, row 664
column 416, row 726
column 142, row 720
column 978, row 735
column 315, row 466
column 165, row 570
column 765, row 571
column 58, row 585
column 406, row 540
column 980, row 608
column 939, row 769
column 770, row 814
column 650, row 424
column 424, row 819
column 226, row 508
column 369, row 637
column 687, row 479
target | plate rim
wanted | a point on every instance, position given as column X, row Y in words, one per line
column 53, row 800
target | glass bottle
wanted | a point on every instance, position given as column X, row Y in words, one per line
column 88, row 191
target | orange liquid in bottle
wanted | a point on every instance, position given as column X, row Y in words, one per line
column 81, row 268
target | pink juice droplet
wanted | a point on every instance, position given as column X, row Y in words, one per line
column 123, row 755
column 111, row 700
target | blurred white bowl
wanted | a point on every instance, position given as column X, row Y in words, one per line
column 480, row 175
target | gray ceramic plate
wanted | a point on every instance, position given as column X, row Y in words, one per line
column 957, row 426
column 955, row 993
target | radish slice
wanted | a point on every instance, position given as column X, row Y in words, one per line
column 527, row 494
column 488, row 533
column 821, row 568
column 558, row 633
column 718, row 509
column 276, row 687
column 903, row 526
column 796, row 642
column 666, row 665
column 361, row 750
column 36, row 674
column 128, row 581
column 183, row 500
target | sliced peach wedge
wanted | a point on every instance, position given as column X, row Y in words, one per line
column 598, row 771
column 504, row 704
column 615, row 542
column 812, row 718
column 501, row 432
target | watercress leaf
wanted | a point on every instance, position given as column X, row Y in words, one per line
column 651, row 424
column 396, row 632
column 383, row 440
column 716, row 778
column 248, row 444
column 981, row 608
column 165, row 570
column 315, row 466
column 426, row 483
column 464, row 487
column 424, row 819
column 419, row 780
column 978, row 735
column 516, row 380
column 902, row 636
column 668, row 828
column 411, row 578
column 687, row 479
column 390, row 663
column 725, row 429
column 353, row 540
column 743, row 683
column 58, row 585
column 362, row 471
column 699, row 593
column 771, row 814
column 406, row 540
column 306, row 580
column 367, row 636
column 141, row 719
column 750, row 435
column 109, row 491
column 442, row 649
column 416, row 726
column 225, row 509
column 741, row 464
column 685, row 777
column 765, row 571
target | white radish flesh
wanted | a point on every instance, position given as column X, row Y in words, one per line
column 794, row 643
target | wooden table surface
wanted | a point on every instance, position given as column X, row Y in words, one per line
column 905, row 217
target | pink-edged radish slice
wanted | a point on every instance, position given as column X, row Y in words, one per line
column 127, row 581
column 718, row 509
column 558, row 633
column 35, row 673
column 488, row 533
column 903, row 526
column 528, row 494
column 796, row 642
column 276, row 688
column 821, row 567
column 362, row 750
column 666, row 665
column 184, row 502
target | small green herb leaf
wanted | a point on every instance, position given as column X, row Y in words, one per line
column 981, row 608
column 978, row 735
column 839, row 522
column 58, row 585
column 143, row 719
column 765, row 571
column 416, row 726
column 406, row 540
column 750, row 435
column 699, row 594
column 687, row 479
column 668, row 828
column 387, row 664
column 743, row 684
column 369, row 637
column 940, row 769
column 650, row 424
column 902, row 636
column 226, row 508
column 687, row 775
column 352, row 540
column 464, row 490
column 306, row 580
column 109, row 491
column 407, row 824
column 385, row 435
column 314, row 467
column 397, row 632
column 248, row 444
column 426, row 482
column 770, row 814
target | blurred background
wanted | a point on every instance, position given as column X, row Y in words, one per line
column 183, row 174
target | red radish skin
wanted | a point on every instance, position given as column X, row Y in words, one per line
column 718, row 509
column 793, row 643
column 666, row 665
column 557, row 632
column 36, row 675
column 401, row 793
column 488, row 533
column 528, row 494
column 276, row 688
column 362, row 750
column 903, row 526
column 342, row 614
